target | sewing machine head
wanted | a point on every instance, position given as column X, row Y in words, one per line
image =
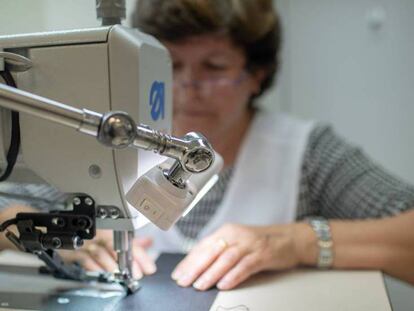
column 98, row 70
column 102, row 69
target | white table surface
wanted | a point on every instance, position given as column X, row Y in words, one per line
column 299, row 290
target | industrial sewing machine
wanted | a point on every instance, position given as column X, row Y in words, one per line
column 96, row 82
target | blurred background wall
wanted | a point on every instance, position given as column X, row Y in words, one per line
column 351, row 63
column 347, row 62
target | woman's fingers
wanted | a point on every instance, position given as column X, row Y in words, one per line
column 227, row 260
column 82, row 257
column 246, row 267
column 88, row 263
column 107, row 246
column 99, row 255
column 196, row 262
column 102, row 257
column 144, row 262
column 136, row 270
column 143, row 242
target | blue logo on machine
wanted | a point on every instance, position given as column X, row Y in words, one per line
column 157, row 100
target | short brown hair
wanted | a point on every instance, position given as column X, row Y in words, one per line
column 252, row 25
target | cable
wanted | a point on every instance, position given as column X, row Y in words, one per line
column 15, row 132
column 7, row 224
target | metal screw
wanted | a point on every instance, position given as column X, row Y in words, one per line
column 82, row 223
column 102, row 212
column 198, row 161
column 77, row 242
column 76, row 201
column 114, row 213
column 88, row 201
column 95, row 171
column 58, row 221
column 201, row 161
column 56, row 242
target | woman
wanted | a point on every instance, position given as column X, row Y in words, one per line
column 278, row 170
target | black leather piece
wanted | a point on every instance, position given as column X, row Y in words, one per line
column 160, row 293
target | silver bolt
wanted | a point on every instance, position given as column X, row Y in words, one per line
column 76, row 201
column 88, row 201
column 102, row 212
column 201, row 161
column 114, row 213
column 77, row 242
column 198, row 161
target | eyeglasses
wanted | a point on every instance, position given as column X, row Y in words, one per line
column 211, row 82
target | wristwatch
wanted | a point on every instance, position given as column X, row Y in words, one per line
column 323, row 232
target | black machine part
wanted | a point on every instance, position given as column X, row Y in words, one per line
column 43, row 234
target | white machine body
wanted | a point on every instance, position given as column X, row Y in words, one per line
column 101, row 69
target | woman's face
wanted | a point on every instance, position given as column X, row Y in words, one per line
column 211, row 86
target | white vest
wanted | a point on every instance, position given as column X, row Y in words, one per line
column 265, row 183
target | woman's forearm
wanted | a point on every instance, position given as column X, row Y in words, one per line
column 384, row 244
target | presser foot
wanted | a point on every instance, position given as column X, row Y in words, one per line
column 130, row 284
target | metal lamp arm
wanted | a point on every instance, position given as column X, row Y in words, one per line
column 113, row 129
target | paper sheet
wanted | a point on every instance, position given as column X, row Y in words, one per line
column 308, row 290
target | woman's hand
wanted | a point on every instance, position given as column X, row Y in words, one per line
column 98, row 255
column 235, row 252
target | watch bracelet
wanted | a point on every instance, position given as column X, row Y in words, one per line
column 323, row 233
